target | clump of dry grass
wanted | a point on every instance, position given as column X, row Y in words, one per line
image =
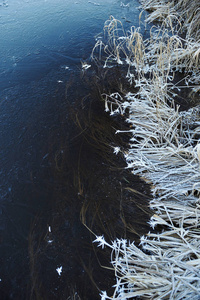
column 162, row 270
column 164, row 150
column 184, row 13
column 183, row 18
column 167, row 49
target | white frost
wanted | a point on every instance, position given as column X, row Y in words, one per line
column 116, row 150
column 59, row 270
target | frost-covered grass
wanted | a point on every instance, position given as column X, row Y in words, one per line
column 185, row 13
column 164, row 149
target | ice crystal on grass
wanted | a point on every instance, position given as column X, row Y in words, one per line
column 104, row 295
column 59, row 270
column 101, row 241
column 116, row 150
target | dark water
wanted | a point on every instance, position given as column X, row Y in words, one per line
column 57, row 168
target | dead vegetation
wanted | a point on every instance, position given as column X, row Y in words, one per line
column 164, row 149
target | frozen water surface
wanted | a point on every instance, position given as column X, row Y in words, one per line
column 42, row 43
